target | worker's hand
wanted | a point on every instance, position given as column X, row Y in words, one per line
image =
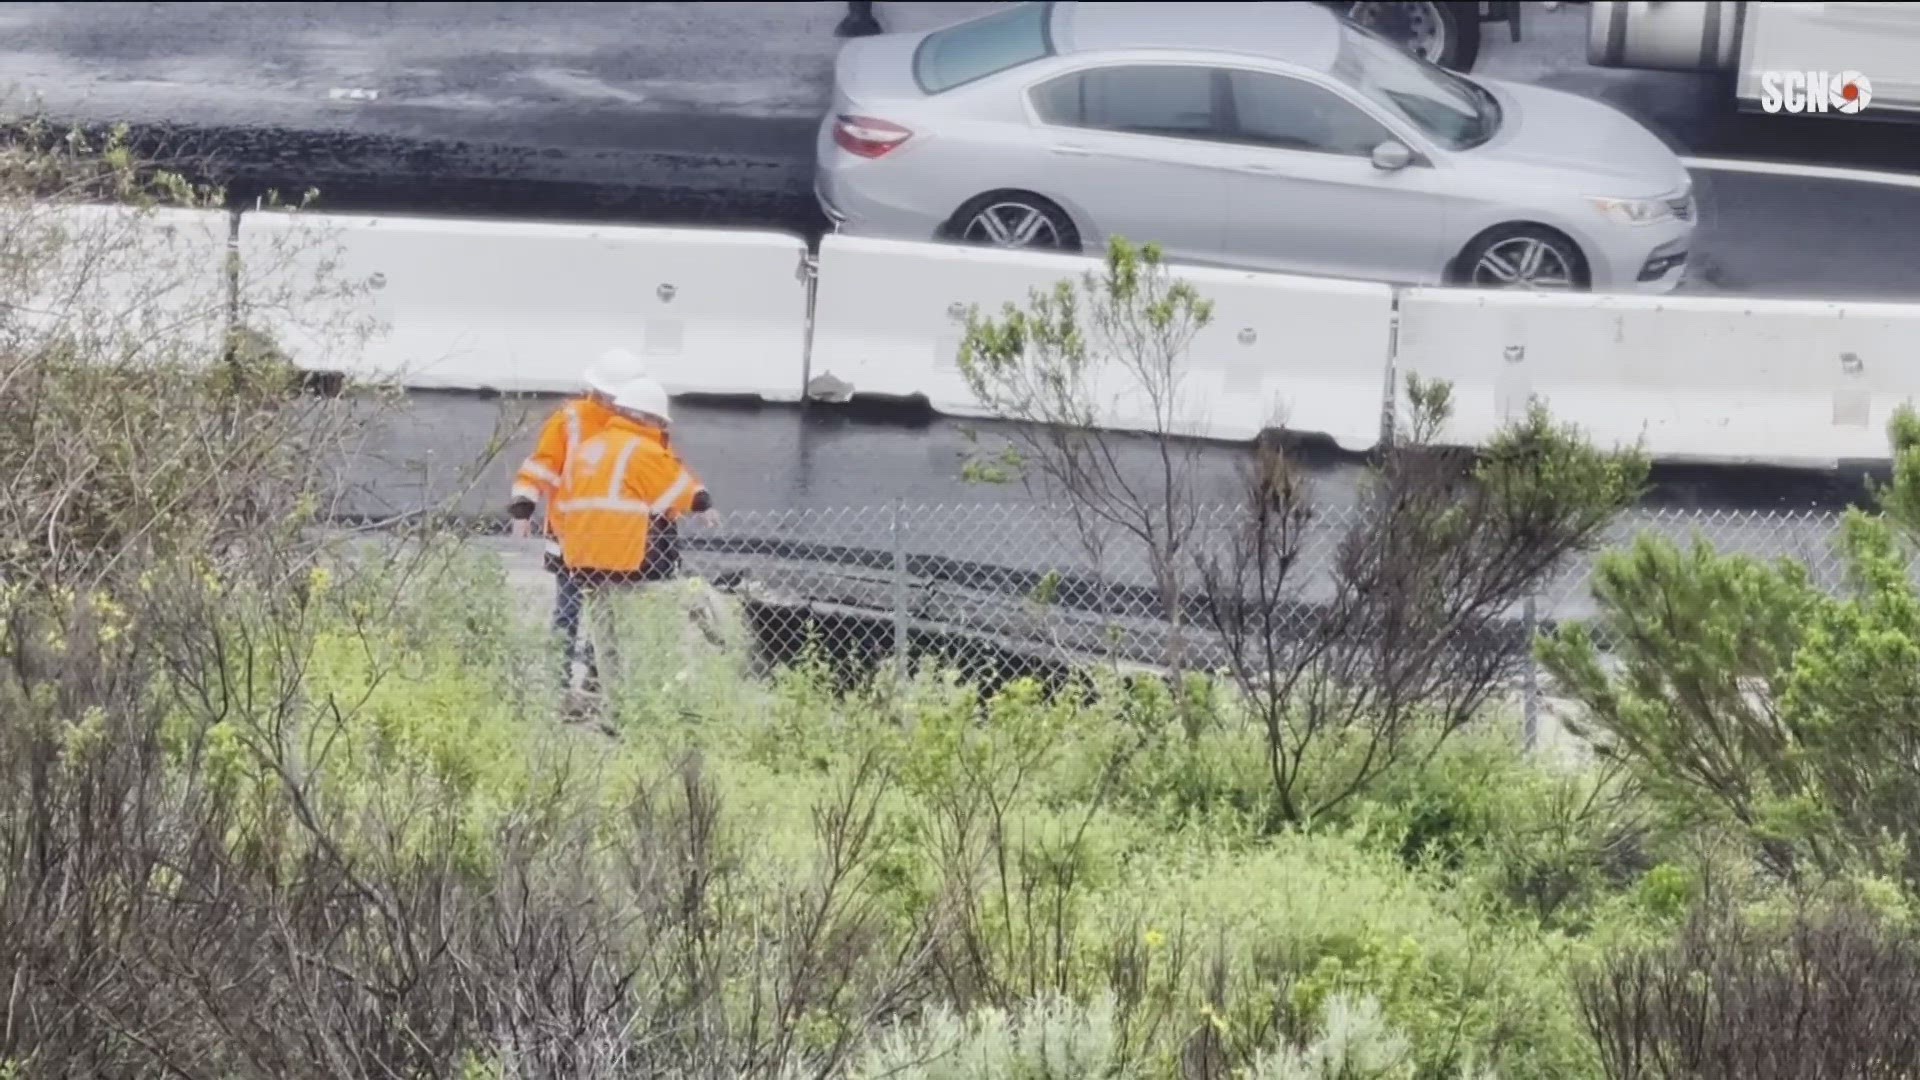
column 709, row 518
column 522, row 528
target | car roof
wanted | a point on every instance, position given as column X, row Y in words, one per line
column 1303, row 34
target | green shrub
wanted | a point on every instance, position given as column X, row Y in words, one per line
column 1814, row 991
column 1355, row 1043
column 995, row 802
column 1051, row 1038
column 1550, row 840
column 1309, row 917
column 1215, row 782
column 1753, row 701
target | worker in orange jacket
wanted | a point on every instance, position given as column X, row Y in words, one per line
column 570, row 425
column 620, row 496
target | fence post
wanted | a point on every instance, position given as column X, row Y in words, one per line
column 809, row 273
column 1530, row 624
column 1390, row 398
column 231, row 273
column 896, row 531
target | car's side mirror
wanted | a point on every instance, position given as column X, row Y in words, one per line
column 1392, row 156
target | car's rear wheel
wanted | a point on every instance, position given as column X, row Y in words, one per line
column 1015, row 219
column 1530, row 257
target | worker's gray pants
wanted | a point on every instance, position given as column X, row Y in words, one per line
column 601, row 603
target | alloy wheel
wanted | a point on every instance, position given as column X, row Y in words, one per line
column 1012, row 225
column 1524, row 262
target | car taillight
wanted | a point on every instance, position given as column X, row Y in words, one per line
column 867, row 137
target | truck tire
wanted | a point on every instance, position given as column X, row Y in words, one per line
column 1446, row 32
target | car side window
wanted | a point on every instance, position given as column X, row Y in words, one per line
column 1139, row 99
column 1292, row 114
column 1058, row 102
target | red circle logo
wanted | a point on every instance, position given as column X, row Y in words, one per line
column 1852, row 91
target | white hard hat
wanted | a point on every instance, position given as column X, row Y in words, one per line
column 615, row 368
column 644, row 396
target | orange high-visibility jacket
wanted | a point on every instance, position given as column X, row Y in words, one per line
column 570, row 425
column 612, row 488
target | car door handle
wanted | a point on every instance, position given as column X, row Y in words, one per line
column 1072, row 150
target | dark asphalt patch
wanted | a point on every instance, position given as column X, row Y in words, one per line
column 370, row 172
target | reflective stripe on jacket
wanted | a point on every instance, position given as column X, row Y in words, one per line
column 569, row 426
column 560, row 437
column 612, row 488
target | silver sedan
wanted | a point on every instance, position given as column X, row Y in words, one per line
column 1271, row 136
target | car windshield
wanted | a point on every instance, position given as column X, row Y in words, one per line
column 986, row 46
column 1457, row 113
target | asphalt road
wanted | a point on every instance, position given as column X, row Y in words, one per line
column 705, row 112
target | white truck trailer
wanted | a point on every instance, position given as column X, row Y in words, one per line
column 1784, row 57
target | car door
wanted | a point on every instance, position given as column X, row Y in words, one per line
column 1306, row 197
column 1132, row 149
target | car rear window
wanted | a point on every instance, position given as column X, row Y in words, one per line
column 986, row 46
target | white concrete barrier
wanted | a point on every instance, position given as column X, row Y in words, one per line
column 133, row 284
column 1704, row 379
column 525, row 307
column 1304, row 353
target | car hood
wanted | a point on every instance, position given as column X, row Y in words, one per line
column 1551, row 129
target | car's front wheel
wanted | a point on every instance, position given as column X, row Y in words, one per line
column 1015, row 219
column 1522, row 257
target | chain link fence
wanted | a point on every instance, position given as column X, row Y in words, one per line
column 996, row 590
